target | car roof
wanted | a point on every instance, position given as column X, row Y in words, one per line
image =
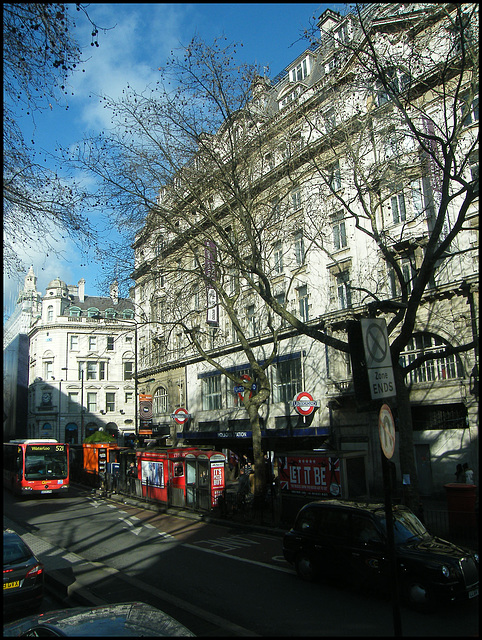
column 120, row 619
column 345, row 504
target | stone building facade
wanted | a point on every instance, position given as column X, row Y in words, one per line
column 338, row 178
column 81, row 366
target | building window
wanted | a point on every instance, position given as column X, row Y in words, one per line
column 296, row 200
column 341, row 34
column 74, row 343
column 470, row 109
column 330, row 120
column 160, row 400
column 73, row 402
column 397, row 203
column 81, row 370
column 286, row 380
column 110, row 401
column 50, row 313
column 91, row 402
column 211, row 393
column 74, row 312
column 431, row 370
column 276, row 209
column 48, row 369
column 408, row 274
column 343, row 290
column 417, row 196
column 390, row 145
column 102, row 370
column 300, row 71
column 474, row 166
column 334, row 176
column 278, row 257
column 251, row 318
column 299, row 248
column 92, row 343
column 110, row 313
column 129, row 397
column 128, row 313
column 110, row 343
column 92, row 312
column 92, row 371
column 269, row 161
column 303, row 303
column 339, row 232
column 128, row 370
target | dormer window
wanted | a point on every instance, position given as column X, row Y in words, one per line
column 301, row 70
column 341, row 34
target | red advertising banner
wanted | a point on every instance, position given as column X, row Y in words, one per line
column 309, row 474
column 217, row 481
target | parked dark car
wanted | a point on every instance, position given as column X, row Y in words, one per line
column 132, row 619
column 23, row 574
column 347, row 540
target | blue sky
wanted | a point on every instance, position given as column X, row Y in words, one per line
column 131, row 52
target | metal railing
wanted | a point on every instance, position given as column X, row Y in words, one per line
column 458, row 527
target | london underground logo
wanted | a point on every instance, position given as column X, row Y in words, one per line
column 180, row 415
column 304, row 403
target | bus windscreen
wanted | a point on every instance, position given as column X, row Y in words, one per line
column 46, row 462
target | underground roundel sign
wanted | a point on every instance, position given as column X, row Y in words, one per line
column 304, row 403
column 181, row 416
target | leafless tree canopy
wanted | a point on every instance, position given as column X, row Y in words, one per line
column 39, row 53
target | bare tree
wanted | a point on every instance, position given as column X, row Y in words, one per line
column 206, row 158
column 39, row 53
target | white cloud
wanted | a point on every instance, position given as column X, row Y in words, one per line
column 130, row 53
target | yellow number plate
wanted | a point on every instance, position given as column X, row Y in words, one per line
column 11, row 585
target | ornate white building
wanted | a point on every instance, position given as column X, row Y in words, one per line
column 81, row 356
column 345, row 198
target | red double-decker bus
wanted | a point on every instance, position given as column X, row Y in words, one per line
column 36, row 466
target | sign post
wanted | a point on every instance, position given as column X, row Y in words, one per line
column 386, row 432
column 378, row 358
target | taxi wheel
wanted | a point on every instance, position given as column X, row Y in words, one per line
column 304, row 567
column 418, row 596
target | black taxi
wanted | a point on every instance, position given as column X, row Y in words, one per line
column 347, row 540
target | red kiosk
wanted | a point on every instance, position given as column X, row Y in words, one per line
column 182, row 477
column 205, row 479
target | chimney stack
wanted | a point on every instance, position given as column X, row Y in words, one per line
column 114, row 292
column 81, row 290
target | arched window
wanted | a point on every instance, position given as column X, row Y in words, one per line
column 110, row 313
column 71, row 433
column 50, row 313
column 430, row 370
column 92, row 311
column 160, row 400
column 74, row 312
column 128, row 313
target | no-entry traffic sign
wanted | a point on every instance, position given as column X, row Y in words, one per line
column 386, row 431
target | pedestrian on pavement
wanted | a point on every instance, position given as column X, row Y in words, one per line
column 468, row 474
column 131, row 476
column 459, row 474
column 243, row 483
